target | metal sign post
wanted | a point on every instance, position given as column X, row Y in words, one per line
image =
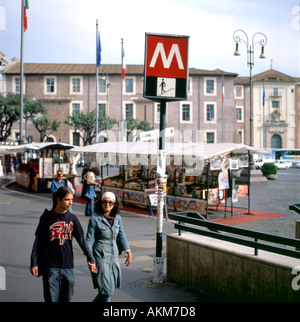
column 165, row 80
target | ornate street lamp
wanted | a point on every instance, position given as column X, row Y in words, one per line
column 240, row 36
column 251, row 176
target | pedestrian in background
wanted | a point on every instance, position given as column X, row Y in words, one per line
column 61, row 181
column 85, row 170
column 32, row 174
column 89, row 192
column 107, row 239
column 52, row 252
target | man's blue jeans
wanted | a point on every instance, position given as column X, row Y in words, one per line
column 58, row 285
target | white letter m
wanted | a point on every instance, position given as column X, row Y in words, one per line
column 166, row 61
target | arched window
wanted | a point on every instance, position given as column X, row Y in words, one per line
column 276, row 142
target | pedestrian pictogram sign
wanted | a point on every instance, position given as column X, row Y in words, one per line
column 166, row 67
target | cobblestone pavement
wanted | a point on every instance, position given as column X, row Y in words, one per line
column 275, row 198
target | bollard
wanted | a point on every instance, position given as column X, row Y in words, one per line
column 297, row 231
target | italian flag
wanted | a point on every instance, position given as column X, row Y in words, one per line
column 123, row 64
column 26, row 6
column 223, row 91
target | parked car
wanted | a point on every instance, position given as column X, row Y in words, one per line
column 298, row 165
column 282, row 164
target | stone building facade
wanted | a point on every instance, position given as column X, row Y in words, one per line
column 67, row 88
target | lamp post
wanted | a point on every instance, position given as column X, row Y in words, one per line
column 250, row 176
column 240, row 36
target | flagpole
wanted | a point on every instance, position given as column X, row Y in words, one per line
column 97, row 109
column 21, row 73
column 222, row 108
column 122, row 116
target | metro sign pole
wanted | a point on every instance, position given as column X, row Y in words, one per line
column 165, row 80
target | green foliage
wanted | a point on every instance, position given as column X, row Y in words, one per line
column 85, row 125
column 43, row 124
column 10, row 112
column 269, row 168
column 133, row 124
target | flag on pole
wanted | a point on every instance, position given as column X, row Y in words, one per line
column 26, row 6
column 123, row 63
column 223, row 90
column 98, row 50
column 264, row 94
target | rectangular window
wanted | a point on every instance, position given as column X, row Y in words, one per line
column 76, row 85
column 75, row 108
column 129, row 85
column 186, row 116
column 128, row 111
column 210, row 112
column 210, row 137
column 102, row 85
column 275, row 104
column 102, row 110
column 210, row 86
column 238, row 111
column 76, row 139
column 238, row 91
column 17, row 85
column 275, row 91
column 50, row 85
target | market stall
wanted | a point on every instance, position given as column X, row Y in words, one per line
column 198, row 174
column 42, row 161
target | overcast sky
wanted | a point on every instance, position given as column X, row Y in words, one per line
column 64, row 31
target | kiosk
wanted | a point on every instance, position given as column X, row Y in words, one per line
column 199, row 176
column 46, row 159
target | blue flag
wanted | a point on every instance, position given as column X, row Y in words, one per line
column 264, row 94
column 98, row 51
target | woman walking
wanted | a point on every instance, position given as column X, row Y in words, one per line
column 89, row 191
column 107, row 239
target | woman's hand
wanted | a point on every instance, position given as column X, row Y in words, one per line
column 129, row 258
column 93, row 268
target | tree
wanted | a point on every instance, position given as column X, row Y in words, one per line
column 10, row 112
column 133, row 124
column 85, row 125
column 43, row 124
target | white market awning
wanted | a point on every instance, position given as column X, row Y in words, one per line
column 39, row 146
column 194, row 150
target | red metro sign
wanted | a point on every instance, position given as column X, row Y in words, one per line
column 166, row 67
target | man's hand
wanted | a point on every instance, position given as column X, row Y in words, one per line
column 34, row 271
column 92, row 268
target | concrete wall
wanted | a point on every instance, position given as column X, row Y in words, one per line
column 225, row 271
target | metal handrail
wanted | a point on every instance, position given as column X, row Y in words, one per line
column 215, row 230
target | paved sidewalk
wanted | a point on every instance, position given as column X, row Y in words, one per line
column 18, row 220
column 137, row 283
